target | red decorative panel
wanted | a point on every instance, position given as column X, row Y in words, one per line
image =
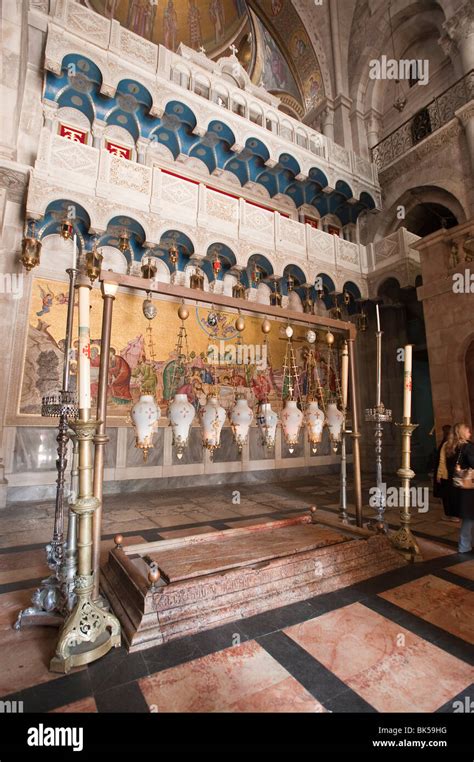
column 333, row 230
column 311, row 221
column 72, row 133
column 118, row 150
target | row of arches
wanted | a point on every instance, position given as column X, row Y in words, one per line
column 176, row 135
column 175, row 256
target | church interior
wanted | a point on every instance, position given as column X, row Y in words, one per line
column 237, row 338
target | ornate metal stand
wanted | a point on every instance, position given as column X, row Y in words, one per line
column 379, row 415
column 50, row 600
column 90, row 631
column 403, row 539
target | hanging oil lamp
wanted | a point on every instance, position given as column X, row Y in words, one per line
column 93, row 263
column 123, row 241
column 180, row 411
column 213, row 417
column 66, row 230
column 173, row 253
column 30, row 250
column 346, row 298
column 361, row 321
column 216, row 265
column 290, row 283
column 238, row 289
column 334, row 416
column 241, row 416
column 336, row 312
column 256, row 274
column 291, row 416
column 148, row 308
column 145, row 415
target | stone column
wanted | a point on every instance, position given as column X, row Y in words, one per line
column 98, row 129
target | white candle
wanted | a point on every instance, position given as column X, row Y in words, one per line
column 378, row 317
column 344, row 374
column 407, row 381
column 84, row 366
column 74, row 251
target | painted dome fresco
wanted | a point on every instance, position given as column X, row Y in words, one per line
column 211, row 23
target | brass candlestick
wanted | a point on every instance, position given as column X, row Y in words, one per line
column 403, row 539
column 90, row 631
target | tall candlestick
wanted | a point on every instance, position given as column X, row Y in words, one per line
column 378, row 317
column 378, row 399
column 84, row 365
column 344, row 374
column 407, row 381
column 74, row 251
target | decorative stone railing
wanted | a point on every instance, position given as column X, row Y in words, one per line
column 119, row 52
column 424, row 123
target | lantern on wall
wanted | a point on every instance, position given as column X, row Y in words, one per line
column 30, row 250
column 145, row 415
column 196, row 279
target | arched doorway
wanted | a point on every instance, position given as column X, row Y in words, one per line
column 470, row 378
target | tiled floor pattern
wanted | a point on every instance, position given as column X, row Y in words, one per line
column 398, row 642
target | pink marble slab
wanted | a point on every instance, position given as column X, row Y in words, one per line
column 442, row 603
column 242, row 678
column 86, row 705
column 390, row 667
column 465, row 569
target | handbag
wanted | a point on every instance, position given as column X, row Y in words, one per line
column 463, row 477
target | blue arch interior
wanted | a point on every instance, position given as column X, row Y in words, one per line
column 78, row 86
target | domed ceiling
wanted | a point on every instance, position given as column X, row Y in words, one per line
column 273, row 45
column 213, row 24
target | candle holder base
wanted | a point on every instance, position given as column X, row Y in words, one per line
column 406, row 544
column 89, row 633
column 378, row 525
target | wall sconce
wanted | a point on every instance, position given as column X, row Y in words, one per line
column 30, row 250
column 149, row 269
column 66, row 231
column 93, row 263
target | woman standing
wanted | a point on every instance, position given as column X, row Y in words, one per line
column 440, row 477
column 459, row 452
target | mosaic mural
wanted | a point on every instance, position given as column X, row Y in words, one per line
column 143, row 356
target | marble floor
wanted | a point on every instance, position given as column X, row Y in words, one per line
column 394, row 643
